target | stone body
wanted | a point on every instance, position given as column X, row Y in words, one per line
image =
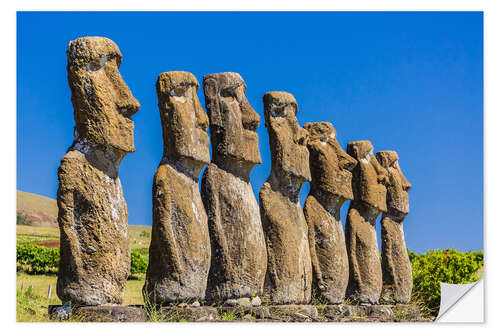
column 93, row 218
column 239, row 257
column 369, row 177
column 289, row 271
column 179, row 253
column 331, row 186
column 396, row 267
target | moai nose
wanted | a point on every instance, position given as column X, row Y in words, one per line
column 127, row 104
column 249, row 118
column 302, row 136
column 201, row 116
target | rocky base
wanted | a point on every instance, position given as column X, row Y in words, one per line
column 270, row 313
column 106, row 313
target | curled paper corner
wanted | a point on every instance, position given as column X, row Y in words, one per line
column 462, row 303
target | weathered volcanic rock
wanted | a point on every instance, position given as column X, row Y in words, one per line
column 396, row 266
column 369, row 177
column 93, row 218
column 110, row 314
column 239, row 257
column 179, row 253
column 330, row 188
column 289, row 271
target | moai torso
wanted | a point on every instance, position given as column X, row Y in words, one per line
column 179, row 254
column 289, row 271
column 239, row 259
column 396, row 267
column 330, row 187
column 365, row 272
column 93, row 219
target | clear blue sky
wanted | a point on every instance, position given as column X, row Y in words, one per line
column 410, row 82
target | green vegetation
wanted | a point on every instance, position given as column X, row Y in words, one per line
column 435, row 266
column 228, row 316
column 36, row 259
column 138, row 263
column 23, row 219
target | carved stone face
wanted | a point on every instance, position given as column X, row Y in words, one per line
column 233, row 121
column 184, row 122
column 102, row 102
column 398, row 186
column 369, row 177
column 290, row 157
column 330, row 165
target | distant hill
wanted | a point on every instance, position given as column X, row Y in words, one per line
column 39, row 210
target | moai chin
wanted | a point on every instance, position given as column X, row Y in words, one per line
column 331, row 186
column 369, row 177
column 93, row 218
column 396, row 267
column 289, row 271
column 239, row 257
column 179, row 253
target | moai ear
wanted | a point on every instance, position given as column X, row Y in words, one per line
column 212, row 101
column 353, row 150
column 210, row 88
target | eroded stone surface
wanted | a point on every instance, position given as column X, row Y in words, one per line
column 93, row 217
column 179, row 253
column 239, row 257
column 369, row 177
column 289, row 271
column 200, row 313
column 331, row 186
column 396, row 266
column 110, row 314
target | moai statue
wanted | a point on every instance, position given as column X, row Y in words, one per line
column 331, row 186
column 93, row 217
column 396, row 268
column 179, row 253
column 289, row 271
column 369, row 177
column 239, row 258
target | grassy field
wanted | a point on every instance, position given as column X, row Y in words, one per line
column 33, row 305
column 140, row 236
column 32, row 290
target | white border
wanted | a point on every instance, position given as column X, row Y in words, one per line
column 8, row 140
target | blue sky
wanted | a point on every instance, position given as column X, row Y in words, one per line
column 410, row 82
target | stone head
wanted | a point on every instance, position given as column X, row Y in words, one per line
column 369, row 177
column 102, row 102
column 330, row 165
column 233, row 122
column 398, row 186
column 184, row 123
column 289, row 154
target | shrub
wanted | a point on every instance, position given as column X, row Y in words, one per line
column 36, row 259
column 23, row 219
column 448, row 266
column 138, row 263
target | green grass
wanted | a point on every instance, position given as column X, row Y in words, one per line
column 139, row 235
column 229, row 316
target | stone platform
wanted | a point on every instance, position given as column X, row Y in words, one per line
column 105, row 313
column 266, row 313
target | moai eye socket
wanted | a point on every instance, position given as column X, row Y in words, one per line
column 178, row 91
column 228, row 91
column 97, row 63
column 278, row 110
